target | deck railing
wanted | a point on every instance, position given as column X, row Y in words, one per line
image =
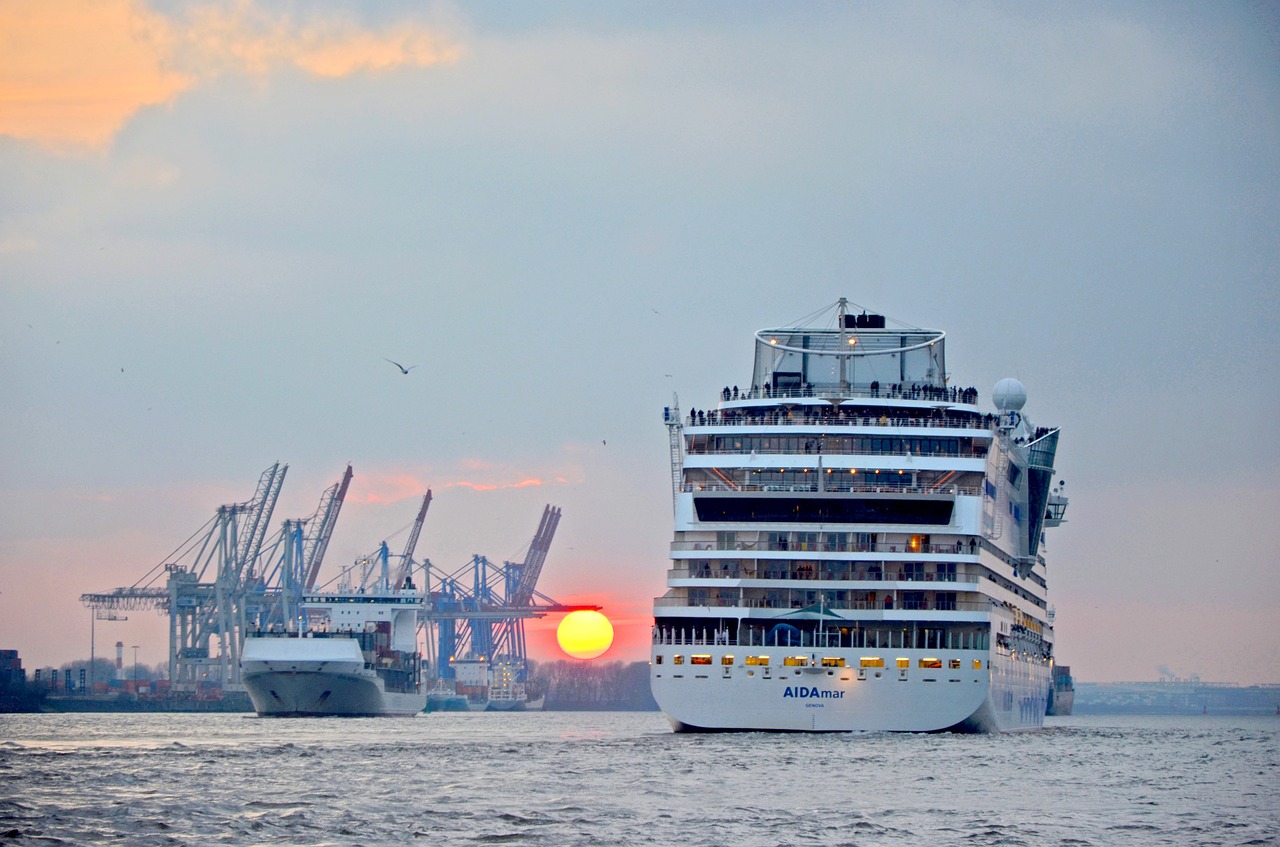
column 834, row 488
column 794, row 601
column 982, row 426
column 764, row 545
column 837, row 575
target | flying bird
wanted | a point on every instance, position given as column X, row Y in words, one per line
column 402, row 368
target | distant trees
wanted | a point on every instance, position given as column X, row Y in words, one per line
column 593, row 686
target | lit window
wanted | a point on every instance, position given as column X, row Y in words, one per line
column 700, row 659
column 758, row 660
column 871, row 662
column 795, row 661
column 726, row 660
column 977, row 664
column 677, row 660
column 929, row 662
column 829, row 662
column 954, row 664
column 904, row 663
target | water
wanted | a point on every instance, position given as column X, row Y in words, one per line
column 624, row 779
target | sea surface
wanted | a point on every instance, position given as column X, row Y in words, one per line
column 616, row 779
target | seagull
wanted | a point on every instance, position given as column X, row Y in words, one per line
column 402, row 368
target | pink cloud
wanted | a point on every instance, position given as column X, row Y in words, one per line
column 73, row 72
column 385, row 488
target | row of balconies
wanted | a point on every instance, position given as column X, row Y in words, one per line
column 831, row 571
column 830, row 542
column 829, row 600
column 831, row 486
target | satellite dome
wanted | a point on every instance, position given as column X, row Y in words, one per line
column 1010, row 395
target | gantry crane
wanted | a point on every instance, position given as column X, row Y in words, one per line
column 479, row 610
column 210, row 587
column 295, row 556
column 377, row 572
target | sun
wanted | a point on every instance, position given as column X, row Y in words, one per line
column 584, row 634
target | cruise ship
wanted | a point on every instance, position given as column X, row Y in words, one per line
column 353, row 653
column 858, row 543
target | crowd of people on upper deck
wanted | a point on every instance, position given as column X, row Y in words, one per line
column 840, row 416
column 899, row 390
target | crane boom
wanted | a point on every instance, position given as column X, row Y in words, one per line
column 537, row 555
column 330, row 505
column 259, row 517
column 406, row 560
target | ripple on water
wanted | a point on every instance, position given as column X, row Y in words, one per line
column 579, row 779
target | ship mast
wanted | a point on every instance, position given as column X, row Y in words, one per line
column 844, row 342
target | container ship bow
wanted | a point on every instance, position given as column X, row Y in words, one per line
column 858, row 545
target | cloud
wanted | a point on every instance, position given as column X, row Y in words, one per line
column 72, row 73
column 385, row 488
column 494, row 486
column 17, row 244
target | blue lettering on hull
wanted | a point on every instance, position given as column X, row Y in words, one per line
column 805, row 691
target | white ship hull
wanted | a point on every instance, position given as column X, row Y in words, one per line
column 1010, row 696
column 305, row 677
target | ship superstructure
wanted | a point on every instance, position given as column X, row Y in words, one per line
column 858, row 544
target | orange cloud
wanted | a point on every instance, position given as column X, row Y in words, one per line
column 494, row 486
column 385, row 488
column 73, row 72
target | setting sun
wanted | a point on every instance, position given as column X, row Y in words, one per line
column 584, row 634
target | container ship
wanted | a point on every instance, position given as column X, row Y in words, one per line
column 353, row 653
column 858, row 543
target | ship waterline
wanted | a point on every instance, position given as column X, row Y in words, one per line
column 858, row 545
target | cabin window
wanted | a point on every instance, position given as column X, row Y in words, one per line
column 677, row 659
column 871, row 662
column 758, row 660
column 977, row 664
column 954, row 664
column 829, row 662
column 700, row 659
column 726, row 659
column 930, row 662
column 904, row 663
column 657, row 660
column 796, row 661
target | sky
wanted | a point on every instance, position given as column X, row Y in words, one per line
column 219, row 220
